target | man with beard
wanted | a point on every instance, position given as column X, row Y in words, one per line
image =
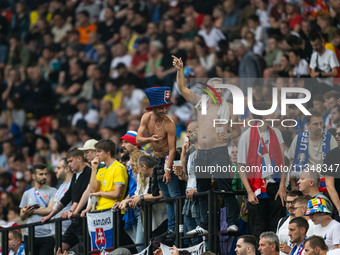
column 315, row 245
column 246, row 245
column 63, row 174
column 162, row 136
column 298, row 228
column 79, row 182
column 33, row 199
column 282, row 226
column 332, row 160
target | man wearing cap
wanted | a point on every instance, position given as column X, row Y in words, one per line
column 89, row 115
column 325, row 227
column 162, row 136
column 129, row 146
column 131, row 216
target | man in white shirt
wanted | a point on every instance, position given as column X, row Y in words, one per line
column 211, row 34
column 300, row 65
column 132, row 99
column 282, row 226
column 326, row 227
column 89, row 115
column 300, row 207
column 323, row 63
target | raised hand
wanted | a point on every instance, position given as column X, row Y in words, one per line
column 177, row 63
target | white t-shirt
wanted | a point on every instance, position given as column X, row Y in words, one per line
column 311, row 229
column 282, row 234
column 126, row 60
column 330, row 233
column 301, row 69
column 90, row 117
column 212, row 39
column 326, row 62
column 334, row 252
column 134, row 103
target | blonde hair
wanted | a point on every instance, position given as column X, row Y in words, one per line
column 134, row 157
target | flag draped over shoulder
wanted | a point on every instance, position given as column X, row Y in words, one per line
column 259, row 156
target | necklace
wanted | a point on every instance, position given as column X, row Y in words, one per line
column 158, row 128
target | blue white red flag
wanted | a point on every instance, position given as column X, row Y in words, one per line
column 100, row 226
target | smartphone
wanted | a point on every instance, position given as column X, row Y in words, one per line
column 36, row 206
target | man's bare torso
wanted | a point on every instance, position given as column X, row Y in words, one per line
column 207, row 136
column 157, row 127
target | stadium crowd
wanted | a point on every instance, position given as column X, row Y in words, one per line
column 102, row 107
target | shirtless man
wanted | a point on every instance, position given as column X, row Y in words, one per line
column 158, row 129
column 212, row 149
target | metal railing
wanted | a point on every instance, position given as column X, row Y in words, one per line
column 213, row 225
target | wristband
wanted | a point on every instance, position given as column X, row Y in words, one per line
column 141, row 197
column 168, row 169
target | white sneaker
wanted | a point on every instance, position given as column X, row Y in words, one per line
column 232, row 228
column 197, row 231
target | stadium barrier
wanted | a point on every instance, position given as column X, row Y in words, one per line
column 212, row 237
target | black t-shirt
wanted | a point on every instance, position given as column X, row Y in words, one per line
column 106, row 32
column 332, row 162
column 77, row 187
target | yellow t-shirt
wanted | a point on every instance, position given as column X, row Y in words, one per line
column 108, row 177
column 116, row 100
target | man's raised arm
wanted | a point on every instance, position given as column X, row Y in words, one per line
column 185, row 92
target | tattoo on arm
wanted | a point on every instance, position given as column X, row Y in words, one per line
column 59, row 207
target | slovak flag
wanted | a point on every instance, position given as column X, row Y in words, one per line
column 100, row 226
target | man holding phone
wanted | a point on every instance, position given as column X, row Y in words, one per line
column 38, row 197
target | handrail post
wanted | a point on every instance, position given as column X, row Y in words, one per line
column 179, row 207
column 210, row 220
column 177, row 222
column 114, row 230
column 118, row 228
column 149, row 219
column 145, row 218
column 31, row 237
column 58, row 234
column 4, row 240
column 85, row 235
column 216, row 218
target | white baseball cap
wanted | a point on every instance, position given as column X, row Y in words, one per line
column 89, row 145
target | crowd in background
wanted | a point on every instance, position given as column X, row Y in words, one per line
column 71, row 71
